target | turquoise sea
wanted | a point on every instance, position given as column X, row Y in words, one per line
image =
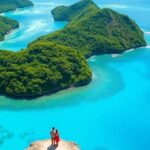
column 111, row 113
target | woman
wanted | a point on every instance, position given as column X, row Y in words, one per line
column 57, row 139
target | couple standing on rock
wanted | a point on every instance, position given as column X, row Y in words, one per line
column 54, row 136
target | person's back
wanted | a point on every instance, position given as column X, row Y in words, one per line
column 52, row 133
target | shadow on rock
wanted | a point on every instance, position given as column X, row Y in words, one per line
column 52, row 147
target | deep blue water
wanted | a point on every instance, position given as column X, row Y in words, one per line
column 111, row 113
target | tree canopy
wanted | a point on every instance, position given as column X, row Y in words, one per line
column 10, row 5
column 6, row 25
column 58, row 60
column 42, row 68
column 95, row 31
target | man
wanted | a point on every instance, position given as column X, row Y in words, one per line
column 52, row 133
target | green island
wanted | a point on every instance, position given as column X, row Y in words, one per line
column 11, row 5
column 42, row 68
column 58, row 60
column 7, row 25
column 92, row 30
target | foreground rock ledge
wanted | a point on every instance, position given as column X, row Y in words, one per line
column 46, row 145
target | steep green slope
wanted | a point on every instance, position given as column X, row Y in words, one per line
column 6, row 25
column 10, row 5
column 41, row 69
column 96, row 31
column 67, row 13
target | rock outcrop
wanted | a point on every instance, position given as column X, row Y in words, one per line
column 46, row 145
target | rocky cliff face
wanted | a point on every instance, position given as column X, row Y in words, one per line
column 46, row 145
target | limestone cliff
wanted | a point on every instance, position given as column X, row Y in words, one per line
column 46, row 145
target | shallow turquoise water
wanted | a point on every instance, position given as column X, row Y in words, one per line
column 111, row 113
column 34, row 22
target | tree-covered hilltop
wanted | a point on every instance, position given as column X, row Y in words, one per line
column 42, row 68
column 6, row 25
column 56, row 61
column 67, row 13
column 95, row 31
column 10, row 5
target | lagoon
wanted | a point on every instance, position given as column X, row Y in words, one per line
column 111, row 113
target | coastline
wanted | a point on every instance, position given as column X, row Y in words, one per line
column 49, row 92
column 116, row 101
column 10, row 32
column 18, row 7
column 128, row 51
column 9, row 11
column 14, row 29
column 52, row 91
column 115, row 54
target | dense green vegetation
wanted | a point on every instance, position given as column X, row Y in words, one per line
column 42, row 68
column 95, row 31
column 67, row 13
column 57, row 60
column 6, row 25
column 9, row 5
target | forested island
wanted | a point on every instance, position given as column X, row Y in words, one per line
column 6, row 25
column 10, row 5
column 92, row 30
column 58, row 60
column 42, row 68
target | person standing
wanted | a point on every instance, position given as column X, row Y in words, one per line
column 57, row 138
column 52, row 133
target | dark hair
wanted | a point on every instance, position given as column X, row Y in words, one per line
column 53, row 128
